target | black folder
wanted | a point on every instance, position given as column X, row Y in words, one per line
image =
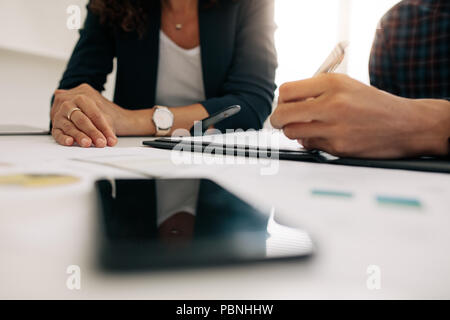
column 427, row 164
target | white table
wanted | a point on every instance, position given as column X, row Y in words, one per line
column 44, row 231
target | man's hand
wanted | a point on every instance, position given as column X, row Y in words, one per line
column 96, row 122
column 344, row 117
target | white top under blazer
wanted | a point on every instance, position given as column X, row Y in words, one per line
column 179, row 83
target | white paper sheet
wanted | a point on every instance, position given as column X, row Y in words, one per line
column 270, row 139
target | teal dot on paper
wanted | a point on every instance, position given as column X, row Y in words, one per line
column 331, row 193
column 399, row 201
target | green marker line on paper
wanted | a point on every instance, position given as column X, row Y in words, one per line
column 331, row 193
column 399, row 201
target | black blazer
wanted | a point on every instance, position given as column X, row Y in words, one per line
column 238, row 60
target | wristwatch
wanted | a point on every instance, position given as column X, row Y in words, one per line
column 163, row 120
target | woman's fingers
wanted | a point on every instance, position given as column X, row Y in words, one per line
column 91, row 110
column 89, row 120
column 89, row 124
column 62, row 138
column 84, row 124
column 69, row 129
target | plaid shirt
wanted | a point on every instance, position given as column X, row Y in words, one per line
column 410, row 56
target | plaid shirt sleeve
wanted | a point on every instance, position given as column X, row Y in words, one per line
column 411, row 53
column 380, row 67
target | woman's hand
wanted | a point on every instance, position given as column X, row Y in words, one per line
column 346, row 118
column 99, row 120
column 93, row 118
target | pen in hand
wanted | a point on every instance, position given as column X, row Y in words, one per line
column 335, row 58
column 332, row 62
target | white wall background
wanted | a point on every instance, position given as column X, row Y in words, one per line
column 35, row 45
column 309, row 29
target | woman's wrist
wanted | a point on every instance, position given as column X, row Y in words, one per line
column 184, row 117
column 140, row 123
column 137, row 123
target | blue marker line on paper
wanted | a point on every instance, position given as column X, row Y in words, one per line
column 331, row 193
column 399, row 201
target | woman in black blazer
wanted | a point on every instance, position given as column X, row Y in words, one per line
column 238, row 61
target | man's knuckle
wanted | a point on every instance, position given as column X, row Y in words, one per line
column 287, row 132
column 340, row 147
column 274, row 120
column 338, row 100
column 284, row 111
column 284, row 89
column 306, row 143
column 332, row 81
column 290, row 132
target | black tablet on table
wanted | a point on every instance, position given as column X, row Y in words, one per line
column 222, row 230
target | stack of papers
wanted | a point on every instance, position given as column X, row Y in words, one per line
column 264, row 139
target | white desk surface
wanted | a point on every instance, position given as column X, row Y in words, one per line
column 44, row 231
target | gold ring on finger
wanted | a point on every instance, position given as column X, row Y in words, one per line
column 69, row 115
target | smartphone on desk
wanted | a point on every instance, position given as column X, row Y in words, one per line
column 157, row 224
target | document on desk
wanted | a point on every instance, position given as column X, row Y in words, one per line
column 263, row 139
column 145, row 162
column 274, row 145
column 317, row 188
column 271, row 144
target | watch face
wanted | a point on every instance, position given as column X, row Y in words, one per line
column 163, row 119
